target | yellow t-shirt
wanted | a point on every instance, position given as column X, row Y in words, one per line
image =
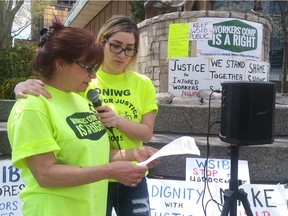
column 131, row 95
column 66, row 126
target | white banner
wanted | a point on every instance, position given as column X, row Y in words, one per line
column 183, row 198
column 10, row 186
column 217, row 170
column 171, row 197
column 187, row 76
column 227, row 37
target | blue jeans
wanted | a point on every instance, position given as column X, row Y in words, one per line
column 128, row 201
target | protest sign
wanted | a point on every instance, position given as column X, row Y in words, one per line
column 183, row 198
column 188, row 76
column 217, row 170
column 227, row 37
column 10, row 186
column 171, row 197
column 225, row 49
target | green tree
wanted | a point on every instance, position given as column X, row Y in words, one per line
column 137, row 10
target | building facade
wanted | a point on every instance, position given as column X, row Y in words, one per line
column 58, row 8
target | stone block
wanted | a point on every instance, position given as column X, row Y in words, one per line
column 5, row 149
column 5, row 107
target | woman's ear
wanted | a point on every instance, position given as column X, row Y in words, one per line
column 59, row 63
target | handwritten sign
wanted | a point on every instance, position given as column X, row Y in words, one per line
column 10, row 186
column 187, row 76
column 200, row 30
column 217, row 170
column 265, row 200
column 171, row 197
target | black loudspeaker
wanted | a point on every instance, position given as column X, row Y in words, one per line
column 247, row 113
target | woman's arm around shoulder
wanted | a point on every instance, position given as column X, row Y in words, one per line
column 31, row 86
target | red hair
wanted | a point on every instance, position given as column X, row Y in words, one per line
column 66, row 43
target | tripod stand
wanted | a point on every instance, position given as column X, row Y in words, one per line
column 233, row 194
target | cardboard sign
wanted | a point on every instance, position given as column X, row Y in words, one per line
column 188, row 76
column 169, row 197
column 183, row 198
column 227, row 49
column 10, row 186
column 218, row 170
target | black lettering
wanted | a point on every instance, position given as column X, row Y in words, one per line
column 255, row 198
column 217, row 63
column 267, row 198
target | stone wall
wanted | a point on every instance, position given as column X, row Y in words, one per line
column 267, row 163
column 190, row 115
column 152, row 57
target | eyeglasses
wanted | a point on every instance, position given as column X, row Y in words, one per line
column 89, row 69
column 115, row 48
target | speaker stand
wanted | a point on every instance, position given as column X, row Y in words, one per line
column 233, row 194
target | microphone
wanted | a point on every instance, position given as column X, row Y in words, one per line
column 93, row 96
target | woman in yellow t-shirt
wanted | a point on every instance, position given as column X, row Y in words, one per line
column 59, row 144
column 129, row 107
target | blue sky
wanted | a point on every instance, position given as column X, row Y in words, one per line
column 21, row 18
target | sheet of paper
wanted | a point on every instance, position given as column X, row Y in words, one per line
column 182, row 145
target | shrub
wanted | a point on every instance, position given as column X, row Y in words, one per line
column 15, row 65
column 7, row 87
column 137, row 10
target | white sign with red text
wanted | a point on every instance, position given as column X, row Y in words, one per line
column 217, row 170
